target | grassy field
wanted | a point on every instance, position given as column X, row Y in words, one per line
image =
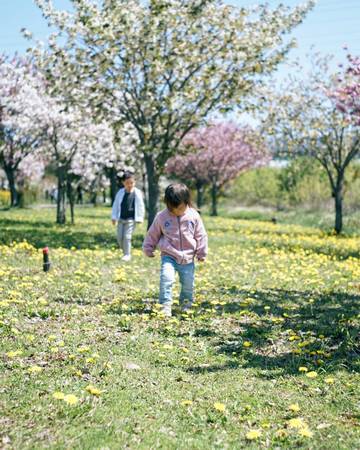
column 268, row 358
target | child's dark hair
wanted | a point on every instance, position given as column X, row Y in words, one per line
column 176, row 194
column 128, row 175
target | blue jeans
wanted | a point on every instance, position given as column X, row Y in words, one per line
column 167, row 278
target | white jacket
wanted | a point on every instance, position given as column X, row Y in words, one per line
column 139, row 205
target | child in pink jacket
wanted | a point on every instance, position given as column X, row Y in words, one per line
column 179, row 233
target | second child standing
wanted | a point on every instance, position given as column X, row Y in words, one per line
column 180, row 234
column 128, row 209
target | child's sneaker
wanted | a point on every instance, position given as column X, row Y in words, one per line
column 185, row 307
column 126, row 258
column 166, row 310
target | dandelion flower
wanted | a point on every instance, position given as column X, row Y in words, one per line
column 219, row 406
column 305, row 432
column 312, row 374
column 296, row 423
column 34, row 369
column 167, row 347
column 71, row 399
column 58, row 395
column 247, row 344
column 294, row 407
column 329, row 380
column 14, row 353
column 93, row 390
column 303, row 369
column 83, row 349
column 253, row 434
column 186, row 403
column 281, row 433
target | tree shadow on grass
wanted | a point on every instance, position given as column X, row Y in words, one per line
column 213, row 368
column 326, row 327
column 43, row 233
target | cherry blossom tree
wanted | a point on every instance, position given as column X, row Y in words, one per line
column 20, row 101
column 75, row 146
column 223, row 151
column 123, row 158
column 303, row 118
column 165, row 65
column 348, row 94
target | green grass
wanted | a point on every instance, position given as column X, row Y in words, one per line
column 270, row 299
column 322, row 219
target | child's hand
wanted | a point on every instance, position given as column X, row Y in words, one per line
column 113, row 222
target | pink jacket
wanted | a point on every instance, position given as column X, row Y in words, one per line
column 181, row 237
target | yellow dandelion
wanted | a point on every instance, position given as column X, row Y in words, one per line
column 34, row 369
column 247, row 344
column 253, row 434
column 186, row 403
column 14, row 353
column 167, row 347
column 58, row 395
column 297, row 423
column 281, row 433
column 294, row 407
column 305, row 432
column 83, row 349
column 71, row 399
column 185, row 350
column 219, row 406
column 329, row 380
column 312, row 374
column 93, row 390
column 303, row 369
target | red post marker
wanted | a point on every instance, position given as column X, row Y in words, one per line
column 46, row 260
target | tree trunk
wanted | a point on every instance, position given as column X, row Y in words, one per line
column 144, row 183
column 70, row 196
column 338, row 197
column 200, row 195
column 79, row 199
column 113, row 184
column 93, row 198
column 61, row 200
column 214, row 195
column 10, row 175
column 153, row 188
